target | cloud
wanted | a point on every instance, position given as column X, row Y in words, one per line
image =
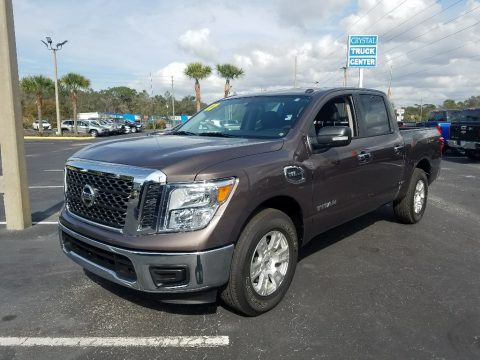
column 261, row 37
column 197, row 42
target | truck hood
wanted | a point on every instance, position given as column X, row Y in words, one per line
column 181, row 158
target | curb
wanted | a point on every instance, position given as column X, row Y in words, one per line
column 57, row 138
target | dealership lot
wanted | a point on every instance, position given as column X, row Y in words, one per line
column 371, row 288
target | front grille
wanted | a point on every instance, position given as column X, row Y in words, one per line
column 112, row 194
column 120, row 264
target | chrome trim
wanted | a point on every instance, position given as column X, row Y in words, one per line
column 207, row 269
column 301, row 171
column 140, row 177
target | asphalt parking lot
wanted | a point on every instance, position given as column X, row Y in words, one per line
column 370, row 289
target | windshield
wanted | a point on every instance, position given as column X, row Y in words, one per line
column 249, row 117
column 94, row 123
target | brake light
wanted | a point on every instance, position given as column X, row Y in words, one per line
column 439, row 128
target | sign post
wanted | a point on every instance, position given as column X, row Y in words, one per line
column 362, row 53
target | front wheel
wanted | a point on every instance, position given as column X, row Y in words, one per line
column 263, row 263
column 94, row 133
column 410, row 209
column 134, row 129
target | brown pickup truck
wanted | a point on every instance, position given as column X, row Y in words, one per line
column 223, row 203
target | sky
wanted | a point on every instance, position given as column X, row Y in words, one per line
column 429, row 49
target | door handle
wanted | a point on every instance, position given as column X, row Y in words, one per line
column 364, row 157
column 398, row 149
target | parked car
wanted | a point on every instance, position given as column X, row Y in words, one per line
column 135, row 126
column 45, row 124
column 193, row 212
column 465, row 133
column 91, row 127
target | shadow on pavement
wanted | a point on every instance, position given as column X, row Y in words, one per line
column 151, row 301
column 45, row 214
column 324, row 240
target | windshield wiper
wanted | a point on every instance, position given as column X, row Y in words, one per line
column 188, row 133
column 216, row 134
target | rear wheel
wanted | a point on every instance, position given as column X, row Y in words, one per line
column 263, row 263
column 134, row 129
column 411, row 208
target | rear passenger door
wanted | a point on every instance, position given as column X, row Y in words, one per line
column 382, row 150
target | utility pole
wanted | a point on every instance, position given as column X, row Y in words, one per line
column 54, row 50
column 344, row 75
column 360, row 77
column 151, row 94
column 421, row 109
column 15, row 186
column 173, row 99
column 295, row 73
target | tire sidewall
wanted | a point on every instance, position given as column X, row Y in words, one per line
column 419, row 175
column 256, row 302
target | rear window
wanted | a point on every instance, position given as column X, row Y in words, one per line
column 375, row 115
column 438, row 116
column 470, row 115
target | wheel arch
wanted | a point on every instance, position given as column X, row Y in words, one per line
column 286, row 204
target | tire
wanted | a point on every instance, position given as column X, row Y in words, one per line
column 133, row 129
column 94, row 133
column 250, row 295
column 411, row 208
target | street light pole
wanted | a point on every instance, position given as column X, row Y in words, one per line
column 54, row 50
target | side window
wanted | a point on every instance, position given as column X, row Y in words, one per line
column 336, row 112
column 375, row 115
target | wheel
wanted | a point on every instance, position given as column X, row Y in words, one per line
column 134, row 129
column 411, row 208
column 263, row 263
column 94, row 133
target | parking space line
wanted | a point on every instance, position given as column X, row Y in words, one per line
column 45, row 187
column 36, row 223
column 161, row 341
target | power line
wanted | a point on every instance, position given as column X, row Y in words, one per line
column 409, row 19
column 436, row 41
column 437, row 54
column 424, row 20
column 435, row 27
column 388, row 13
column 423, row 70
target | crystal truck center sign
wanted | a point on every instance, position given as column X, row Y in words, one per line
column 362, row 51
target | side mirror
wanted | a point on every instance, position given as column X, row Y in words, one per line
column 333, row 136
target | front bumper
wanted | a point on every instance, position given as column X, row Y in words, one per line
column 134, row 269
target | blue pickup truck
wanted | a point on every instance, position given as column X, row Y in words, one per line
column 442, row 119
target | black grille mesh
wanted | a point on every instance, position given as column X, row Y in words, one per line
column 122, row 265
column 111, row 200
column 151, row 203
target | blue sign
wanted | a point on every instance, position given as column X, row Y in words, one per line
column 362, row 50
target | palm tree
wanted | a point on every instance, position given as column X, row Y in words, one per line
column 38, row 86
column 72, row 83
column 229, row 72
column 197, row 71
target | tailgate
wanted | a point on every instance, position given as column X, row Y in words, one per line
column 465, row 131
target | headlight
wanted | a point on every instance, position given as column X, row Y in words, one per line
column 192, row 206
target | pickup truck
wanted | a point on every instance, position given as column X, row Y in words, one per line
column 207, row 209
column 442, row 120
column 465, row 133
